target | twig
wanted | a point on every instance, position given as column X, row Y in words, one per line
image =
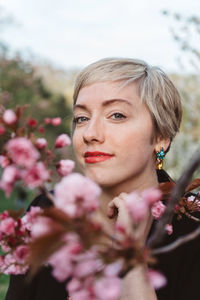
column 178, row 191
column 182, row 240
column 192, row 217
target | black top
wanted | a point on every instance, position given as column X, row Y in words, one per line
column 181, row 267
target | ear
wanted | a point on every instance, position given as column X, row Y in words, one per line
column 161, row 142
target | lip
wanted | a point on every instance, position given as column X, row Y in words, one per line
column 96, row 156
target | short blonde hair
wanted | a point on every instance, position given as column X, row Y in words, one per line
column 156, row 90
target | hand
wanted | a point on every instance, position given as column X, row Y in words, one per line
column 117, row 209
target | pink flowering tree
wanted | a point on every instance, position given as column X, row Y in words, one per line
column 70, row 236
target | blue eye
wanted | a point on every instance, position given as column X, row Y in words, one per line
column 118, row 116
column 78, row 120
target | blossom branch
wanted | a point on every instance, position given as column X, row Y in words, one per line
column 177, row 193
column 192, row 217
column 180, row 241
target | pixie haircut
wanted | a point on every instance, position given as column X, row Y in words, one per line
column 155, row 89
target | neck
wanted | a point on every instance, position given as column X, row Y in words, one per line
column 139, row 183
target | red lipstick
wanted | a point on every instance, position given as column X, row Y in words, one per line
column 96, row 156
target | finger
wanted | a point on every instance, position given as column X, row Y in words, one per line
column 112, row 212
column 113, row 208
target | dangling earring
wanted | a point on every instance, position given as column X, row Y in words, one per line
column 160, row 155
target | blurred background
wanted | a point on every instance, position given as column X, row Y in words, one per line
column 44, row 44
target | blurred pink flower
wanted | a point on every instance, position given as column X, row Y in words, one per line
column 156, row 279
column 35, row 176
column 169, row 228
column 108, row 288
column 32, row 122
column 10, row 175
column 21, row 254
column 42, row 226
column 9, row 117
column 41, row 143
column 4, row 161
column 7, row 226
column 65, row 167
column 56, row 121
column 61, row 261
column 47, row 121
column 83, row 294
column 22, row 152
column 151, row 195
column 62, row 141
column 158, row 209
column 76, row 195
column 113, row 269
column 137, row 207
column 87, row 267
column 2, row 130
column 74, row 285
column 30, row 217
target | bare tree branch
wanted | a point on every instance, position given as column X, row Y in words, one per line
column 180, row 241
column 178, row 191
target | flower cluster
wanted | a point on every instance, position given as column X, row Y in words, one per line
column 15, row 237
column 25, row 157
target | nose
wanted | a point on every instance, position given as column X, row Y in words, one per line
column 94, row 131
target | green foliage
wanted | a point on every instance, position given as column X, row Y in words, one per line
column 4, row 281
column 20, row 86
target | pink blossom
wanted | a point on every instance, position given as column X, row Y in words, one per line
column 9, row 117
column 56, row 121
column 108, row 288
column 10, row 175
column 87, row 267
column 62, row 141
column 47, row 120
column 83, row 294
column 158, row 209
column 7, row 226
column 151, row 195
column 21, row 254
column 74, row 285
column 22, row 152
column 2, row 130
column 137, row 207
column 4, row 161
column 65, row 167
column 42, row 226
column 36, row 176
column 77, row 195
column 30, row 217
column 191, row 198
column 4, row 247
column 1, row 261
column 169, row 228
column 41, row 143
column 113, row 269
column 61, row 261
column 156, row 279
column 32, row 123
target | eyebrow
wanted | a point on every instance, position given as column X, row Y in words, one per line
column 105, row 103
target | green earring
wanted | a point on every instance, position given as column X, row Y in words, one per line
column 160, row 155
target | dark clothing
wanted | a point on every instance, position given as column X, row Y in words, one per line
column 181, row 267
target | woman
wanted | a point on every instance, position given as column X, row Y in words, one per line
column 125, row 112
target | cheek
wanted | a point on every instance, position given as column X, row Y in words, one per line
column 76, row 142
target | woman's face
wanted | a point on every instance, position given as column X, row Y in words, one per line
column 114, row 121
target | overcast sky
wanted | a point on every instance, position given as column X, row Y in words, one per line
column 73, row 33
